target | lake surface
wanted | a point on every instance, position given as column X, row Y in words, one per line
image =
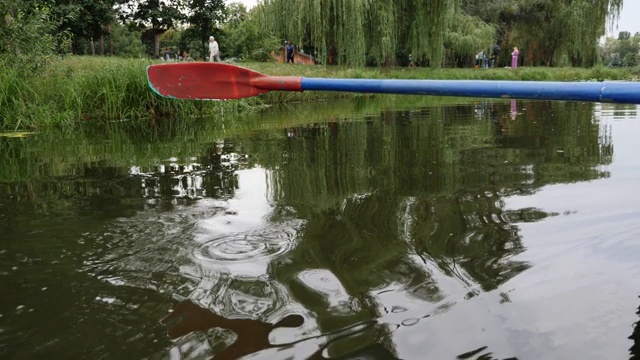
column 428, row 229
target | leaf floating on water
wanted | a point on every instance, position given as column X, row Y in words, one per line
column 16, row 134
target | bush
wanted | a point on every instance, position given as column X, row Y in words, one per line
column 127, row 43
column 26, row 39
column 246, row 40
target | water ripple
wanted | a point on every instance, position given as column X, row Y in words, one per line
column 249, row 246
column 242, row 247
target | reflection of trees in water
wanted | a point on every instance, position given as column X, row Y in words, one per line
column 216, row 179
column 426, row 183
column 618, row 111
column 381, row 199
column 475, row 246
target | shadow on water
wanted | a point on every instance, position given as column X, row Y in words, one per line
column 322, row 236
column 251, row 336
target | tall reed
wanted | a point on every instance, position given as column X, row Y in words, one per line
column 92, row 89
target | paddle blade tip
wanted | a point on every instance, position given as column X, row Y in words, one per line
column 202, row 81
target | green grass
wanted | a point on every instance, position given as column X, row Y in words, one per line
column 81, row 89
column 91, row 89
column 523, row 73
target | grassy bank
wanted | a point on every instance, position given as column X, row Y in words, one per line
column 80, row 89
column 91, row 89
column 522, row 73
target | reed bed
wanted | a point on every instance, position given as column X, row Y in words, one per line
column 93, row 89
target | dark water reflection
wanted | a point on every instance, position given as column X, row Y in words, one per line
column 483, row 230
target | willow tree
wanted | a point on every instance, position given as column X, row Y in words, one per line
column 549, row 32
column 354, row 32
column 466, row 37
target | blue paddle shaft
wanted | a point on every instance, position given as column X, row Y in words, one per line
column 606, row 92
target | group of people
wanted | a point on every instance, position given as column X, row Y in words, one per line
column 183, row 55
column 481, row 58
column 483, row 62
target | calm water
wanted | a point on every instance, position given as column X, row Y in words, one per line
column 470, row 230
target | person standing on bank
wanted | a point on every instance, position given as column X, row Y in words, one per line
column 514, row 58
column 214, row 50
column 290, row 51
column 495, row 55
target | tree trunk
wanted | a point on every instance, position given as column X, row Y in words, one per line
column 92, row 45
column 101, row 49
column 110, row 41
column 156, row 44
column 549, row 56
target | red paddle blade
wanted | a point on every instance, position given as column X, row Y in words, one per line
column 204, row 81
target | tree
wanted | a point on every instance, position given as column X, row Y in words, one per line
column 352, row 31
column 127, row 42
column 624, row 35
column 27, row 37
column 624, row 51
column 628, row 50
column 236, row 13
column 466, row 37
column 205, row 16
column 549, row 31
column 155, row 16
column 84, row 20
column 244, row 36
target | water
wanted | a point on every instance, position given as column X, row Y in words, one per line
column 470, row 229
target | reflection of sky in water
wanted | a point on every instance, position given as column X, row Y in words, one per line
column 590, row 254
column 246, row 210
column 241, row 239
column 326, row 285
column 233, row 250
column 223, row 249
column 533, row 313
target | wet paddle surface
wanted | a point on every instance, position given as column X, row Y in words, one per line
column 484, row 230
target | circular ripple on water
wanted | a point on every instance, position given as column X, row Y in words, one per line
column 264, row 244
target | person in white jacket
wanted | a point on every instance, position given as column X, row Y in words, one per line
column 214, row 51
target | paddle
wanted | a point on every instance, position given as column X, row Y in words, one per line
column 216, row 81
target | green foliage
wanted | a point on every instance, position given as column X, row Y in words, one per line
column 126, row 42
column 624, row 51
column 95, row 89
column 204, row 16
column 189, row 40
column 615, row 60
column 89, row 89
column 467, row 36
column 154, row 16
column 630, row 60
column 245, row 39
column 354, row 32
column 26, row 35
column 88, row 19
column 548, row 31
column 171, row 39
column 195, row 50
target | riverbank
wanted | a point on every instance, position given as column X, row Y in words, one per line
column 522, row 73
column 82, row 89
